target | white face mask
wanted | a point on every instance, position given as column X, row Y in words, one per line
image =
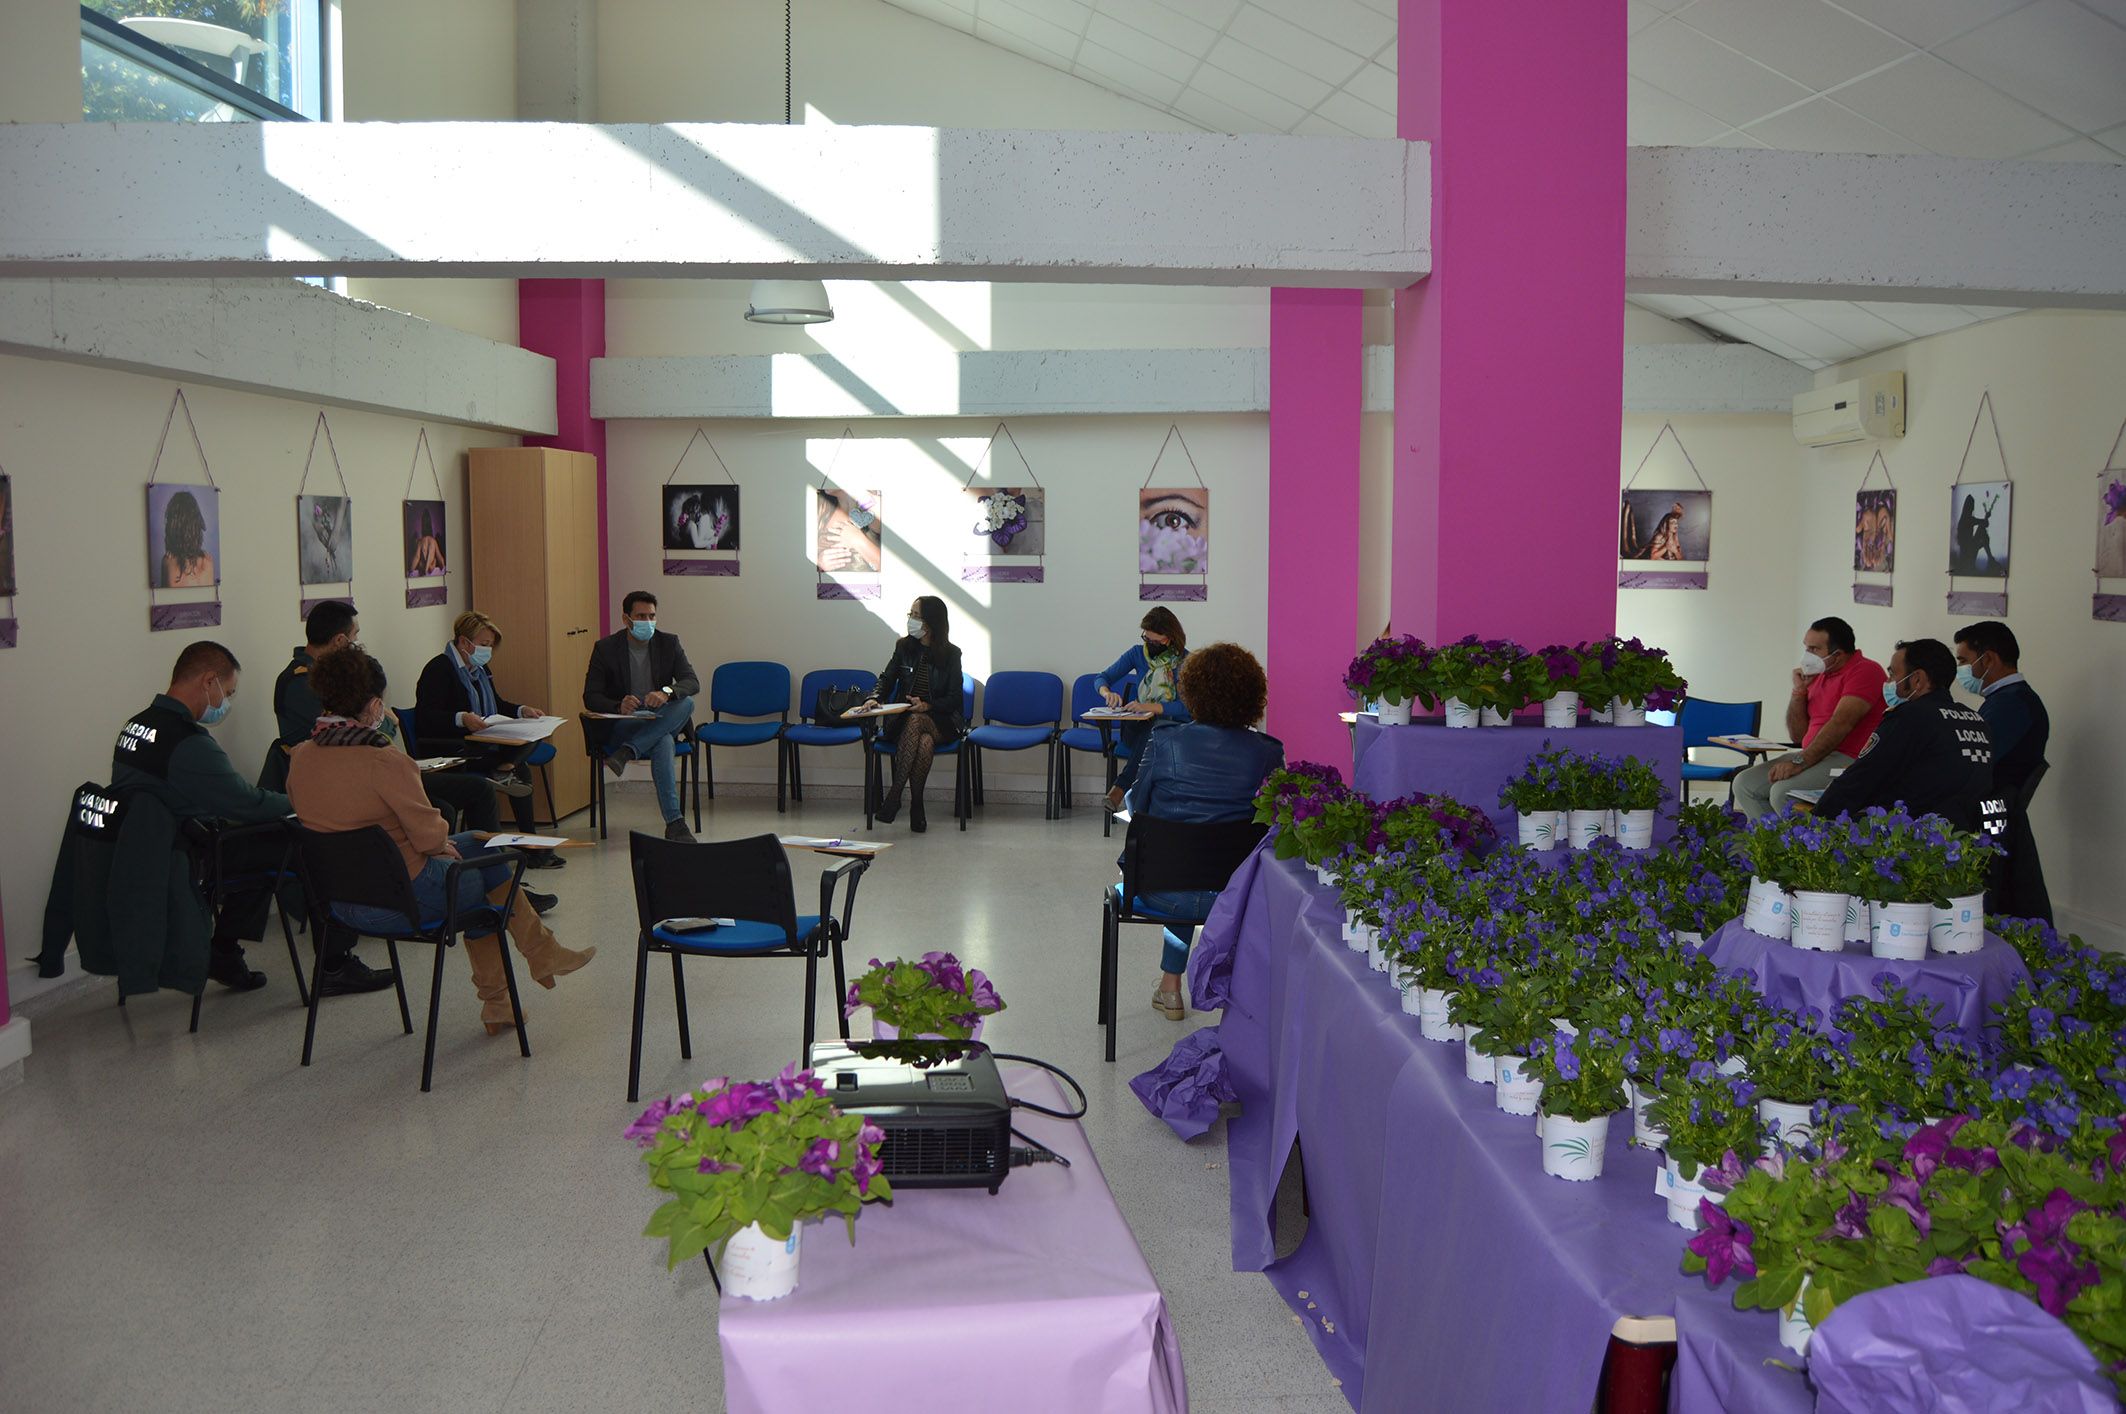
column 1811, row 664
column 915, row 627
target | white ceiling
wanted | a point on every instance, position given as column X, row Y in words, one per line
column 2042, row 79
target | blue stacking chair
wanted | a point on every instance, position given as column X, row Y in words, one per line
column 1022, row 711
column 1091, row 736
column 745, row 880
column 1703, row 720
column 805, row 732
column 744, row 690
column 962, row 782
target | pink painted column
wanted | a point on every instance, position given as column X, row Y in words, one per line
column 565, row 320
column 1509, row 362
column 1317, row 402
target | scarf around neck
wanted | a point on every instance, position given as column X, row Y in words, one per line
column 333, row 730
column 479, row 683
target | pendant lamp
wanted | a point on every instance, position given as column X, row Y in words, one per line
column 788, row 301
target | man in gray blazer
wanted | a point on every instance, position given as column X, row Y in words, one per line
column 642, row 669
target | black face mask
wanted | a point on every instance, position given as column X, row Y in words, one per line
column 1153, row 650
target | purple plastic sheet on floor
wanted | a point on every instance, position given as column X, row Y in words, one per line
column 1187, row 1087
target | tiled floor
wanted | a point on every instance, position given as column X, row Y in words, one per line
column 194, row 1222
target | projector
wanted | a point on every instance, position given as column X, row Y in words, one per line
column 942, row 1104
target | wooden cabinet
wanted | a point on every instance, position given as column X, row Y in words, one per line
column 535, row 572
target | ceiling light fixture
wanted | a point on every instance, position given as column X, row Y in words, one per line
column 788, row 301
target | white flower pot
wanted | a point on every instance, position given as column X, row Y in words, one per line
column 1413, row 999
column 1518, row 1092
column 1643, row 1134
column 1394, row 714
column 1794, row 1327
column 1354, row 932
column 1690, row 938
column 1574, row 1148
column 1961, row 927
column 1624, row 714
column 1857, row 929
column 758, row 1267
column 1432, row 1022
column 1376, row 956
column 1561, row 709
column 1683, row 1194
column 1635, row 829
column 1602, row 715
column 1584, row 827
column 1460, row 714
column 1796, row 1124
column 1819, row 921
column 1539, row 829
column 1476, row 1065
column 1493, row 717
column 1770, row 910
column 1900, row 930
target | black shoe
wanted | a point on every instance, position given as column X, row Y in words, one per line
column 889, row 809
column 237, row 977
column 543, row 859
column 542, row 904
column 508, row 783
column 616, row 760
column 917, row 820
column 676, row 829
column 351, row 976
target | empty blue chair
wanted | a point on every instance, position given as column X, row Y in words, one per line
column 743, row 690
column 1021, row 711
column 805, row 731
column 1085, row 736
column 1703, row 720
column 882, row 750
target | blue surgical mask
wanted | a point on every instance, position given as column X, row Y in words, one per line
column 482, row 655
column 643, row 629
column 215, row 713
column 1967, row 679
column 1889, row 693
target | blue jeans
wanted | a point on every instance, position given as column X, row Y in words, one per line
column 652, row 737
column 1176, row 937
column 474, row 885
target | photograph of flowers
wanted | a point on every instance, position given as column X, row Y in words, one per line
column 2111, row 525
column 1008, row 527
column 1173, row 538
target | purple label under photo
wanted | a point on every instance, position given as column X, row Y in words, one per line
column 1963, row 602
column 727, row 568
column 162, row 617
column 1000, row 574
column 1661, row 579
column 1148, row 593
column 303, row 610
column 828, row 589
column 2105, row 608
column 7, row 633
column 1878, row 594
column 426, row 596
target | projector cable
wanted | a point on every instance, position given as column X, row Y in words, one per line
column 1057, row 1071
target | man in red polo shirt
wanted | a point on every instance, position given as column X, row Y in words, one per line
column 1834, row 707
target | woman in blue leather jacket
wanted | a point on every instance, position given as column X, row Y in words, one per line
column 1155, row 662
column 1204, row 770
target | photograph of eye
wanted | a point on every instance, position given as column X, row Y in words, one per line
column 1173, row 530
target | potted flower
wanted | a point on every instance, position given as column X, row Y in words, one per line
column 1425, row 967
column 1476, row 678
column 1587, row 793
column 1506, row 1015
column 1582, row 1079
column 1537, row 796
column 1820, row 872
column 746, row 1164
column 1633, row 678
column 1552, row 676
column 1794, row 1066
column 1392, row 672
column 1767, row 850
column 1960, row 919
column 1708, row 1119
column 1637, row 789
column 1426, row 824
column 932, row 998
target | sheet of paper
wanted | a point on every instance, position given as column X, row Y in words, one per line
column 834, row 844
column 439, row 763
column 528, row 841
column 884, row 709
column 1751, row 743
column 1123, row 815
column 518, row 733
column 620, row 716
column 1110, row 714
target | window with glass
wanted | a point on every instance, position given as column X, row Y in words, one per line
column 202, row 61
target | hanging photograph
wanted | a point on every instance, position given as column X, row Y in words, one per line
column 848, row 542
column 1173, row 538
column 1978, row 528
column 7, row 537
column 1666, row 525
column 1875, row 531
column 184, row 536
column 422, row 539
column 324, row 539
column 2110, row 529
column 1008, row 534
column 701, row 517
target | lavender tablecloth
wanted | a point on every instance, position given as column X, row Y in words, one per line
column 1964, row 986
column 1471, row 764
column 1035, row 1299
column 1433, row 1230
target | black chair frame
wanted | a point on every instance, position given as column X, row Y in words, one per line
column 690, row 767
column 365, row 867
column 1159, row 856
column 966, row 778
column 217, row 884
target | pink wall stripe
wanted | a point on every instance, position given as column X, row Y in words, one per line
column 1509, row 387
column 1317, row 403
column 565, row 320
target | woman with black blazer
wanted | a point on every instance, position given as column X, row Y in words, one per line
column 456, row 697
column 924, row 673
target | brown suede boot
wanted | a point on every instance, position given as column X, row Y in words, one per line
column 485, row 955
column 542, row 951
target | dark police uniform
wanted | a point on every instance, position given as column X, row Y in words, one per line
column 1931, row 753
column 2021, row 728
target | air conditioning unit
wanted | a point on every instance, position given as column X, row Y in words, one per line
column 1873, row 406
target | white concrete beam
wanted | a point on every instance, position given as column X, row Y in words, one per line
column 727, row 200
column 1658, row 378
column 283, row 338
column 1808, row 225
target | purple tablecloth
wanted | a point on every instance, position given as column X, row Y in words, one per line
column 1471, row 763
column 1433, row 1230
column 1965, row 986
column 1038, row 1298
column 1721, row 1356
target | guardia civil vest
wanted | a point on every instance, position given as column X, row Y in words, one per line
column 150, row 739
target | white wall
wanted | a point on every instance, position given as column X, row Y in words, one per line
column 2058, row 381
column 78, row 443
column 1077, row 621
